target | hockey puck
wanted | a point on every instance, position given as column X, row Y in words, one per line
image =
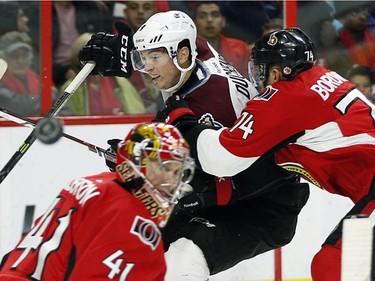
column 49, row 130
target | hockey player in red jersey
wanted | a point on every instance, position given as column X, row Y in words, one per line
column 315, row 122
column 201, row 237
column 106, row 226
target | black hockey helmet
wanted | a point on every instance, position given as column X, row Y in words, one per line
column 290, row 48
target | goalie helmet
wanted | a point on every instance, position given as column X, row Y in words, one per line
column 290, row 48
column 165, row 30
column 158, row 155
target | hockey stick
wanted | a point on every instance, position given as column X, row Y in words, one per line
column 3, row 67
column 56, row 107
column 27, row 122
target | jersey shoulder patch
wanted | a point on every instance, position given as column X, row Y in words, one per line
column 209, row 120
column 267, row 94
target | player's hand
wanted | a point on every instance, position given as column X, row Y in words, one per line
column 110, row 52
column 197, row 201
column 176, row 110
column 112, row 149
column 208, row 191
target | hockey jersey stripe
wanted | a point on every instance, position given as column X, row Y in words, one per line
column 329, row 136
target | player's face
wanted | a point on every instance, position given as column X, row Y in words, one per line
column 160, row 67
column 165, row 176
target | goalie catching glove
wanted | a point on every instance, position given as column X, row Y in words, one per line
column 110, row 52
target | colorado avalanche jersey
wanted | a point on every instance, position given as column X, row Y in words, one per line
column 94, row 230
column 216, row 92
column 318, row 125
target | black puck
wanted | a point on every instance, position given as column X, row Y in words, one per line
column 49, row 130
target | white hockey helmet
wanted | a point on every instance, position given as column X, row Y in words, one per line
column 168, row 30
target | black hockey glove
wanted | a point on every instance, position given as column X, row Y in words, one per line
column 177, row 113
column 175, row 110
column 208, row 191
column 110, row 52
column 112, row 149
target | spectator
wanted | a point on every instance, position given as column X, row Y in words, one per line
column 14, row 18
column 70, row 19
column 100, row 95
column 363, row 78
column 315, row 19
column 137, row 13
column 355, row 43
column 20, row 86
column 210, row 22
column 246, row 18
column 272, row 25
column 105, row 226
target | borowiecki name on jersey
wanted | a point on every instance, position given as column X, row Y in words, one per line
column 327, row 84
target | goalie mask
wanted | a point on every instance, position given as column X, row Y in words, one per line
column 165, row 30
column 157, row 154
column 290, row 48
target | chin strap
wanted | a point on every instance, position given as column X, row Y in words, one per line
column 184, row 71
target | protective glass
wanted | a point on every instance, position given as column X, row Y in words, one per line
column 169, row 175
column 141, row 60
column 257, row 74
column 162, row 193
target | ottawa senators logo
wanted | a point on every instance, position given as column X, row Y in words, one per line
column 272, row 40
column 147, row 231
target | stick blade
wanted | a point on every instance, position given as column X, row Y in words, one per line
column 3, row 67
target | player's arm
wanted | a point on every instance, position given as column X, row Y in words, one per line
column 260, row 178
column 229, row 151
column 207, row 150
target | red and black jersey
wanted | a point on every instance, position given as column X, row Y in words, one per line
column 319, row 124
column 94, row 230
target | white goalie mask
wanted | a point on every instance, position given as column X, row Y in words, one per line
column 165, row 30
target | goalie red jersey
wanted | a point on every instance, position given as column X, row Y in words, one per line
column 94, row 230
column 324, row 126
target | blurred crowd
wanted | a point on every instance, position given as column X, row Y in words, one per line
column 343, row 32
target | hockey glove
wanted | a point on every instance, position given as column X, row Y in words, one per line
column 208, row 191
column 112, row 149
column 110, row 52
column 176, row 112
